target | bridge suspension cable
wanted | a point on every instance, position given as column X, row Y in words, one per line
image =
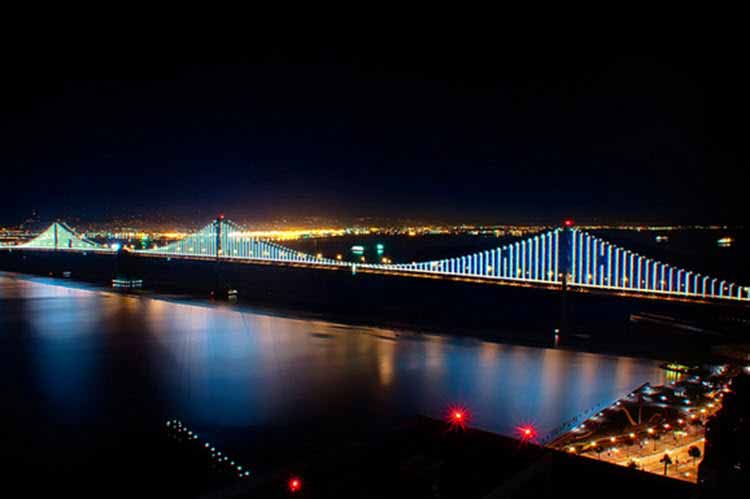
column 59, row 236
column 624, row 270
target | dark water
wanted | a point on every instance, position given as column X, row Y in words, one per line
column 83, row 369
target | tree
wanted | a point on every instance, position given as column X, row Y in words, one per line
column 694, row 452
column 654, row 438
column 632, row 464
column 667, row 461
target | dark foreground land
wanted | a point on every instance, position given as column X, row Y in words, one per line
column 421, row 458
column 424, row 458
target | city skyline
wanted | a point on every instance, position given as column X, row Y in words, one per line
column 160, row 222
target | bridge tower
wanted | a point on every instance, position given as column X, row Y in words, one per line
column 565, row 252
column 219, row 222
column 220, row 283
column 55, row 225
column 565, row 257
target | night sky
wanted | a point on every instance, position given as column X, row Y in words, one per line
column 434, row 129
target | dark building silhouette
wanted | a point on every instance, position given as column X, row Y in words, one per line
column 726, row 465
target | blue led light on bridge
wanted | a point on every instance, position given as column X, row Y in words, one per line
column 596, row 262
column 617, row 266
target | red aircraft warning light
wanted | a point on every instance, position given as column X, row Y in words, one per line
column 295, row 484
column 568, row 222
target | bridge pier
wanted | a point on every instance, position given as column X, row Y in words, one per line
column 562, row 331
column 221, row 286
column 565, row 258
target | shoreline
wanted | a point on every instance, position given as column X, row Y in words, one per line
column 635, row 430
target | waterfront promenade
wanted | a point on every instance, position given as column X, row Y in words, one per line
column 652, row 422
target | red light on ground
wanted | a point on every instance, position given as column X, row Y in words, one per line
column 568, row 222
column 295, row 484
column 526, row 432
column 457, row 417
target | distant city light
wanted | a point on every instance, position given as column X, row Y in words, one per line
column 725, row 242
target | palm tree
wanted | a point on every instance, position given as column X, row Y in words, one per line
column 694, row 452
column 667, row 461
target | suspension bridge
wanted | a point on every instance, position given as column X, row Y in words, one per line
column 563, row 258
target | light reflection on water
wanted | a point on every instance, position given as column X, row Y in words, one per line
column 139, row 359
